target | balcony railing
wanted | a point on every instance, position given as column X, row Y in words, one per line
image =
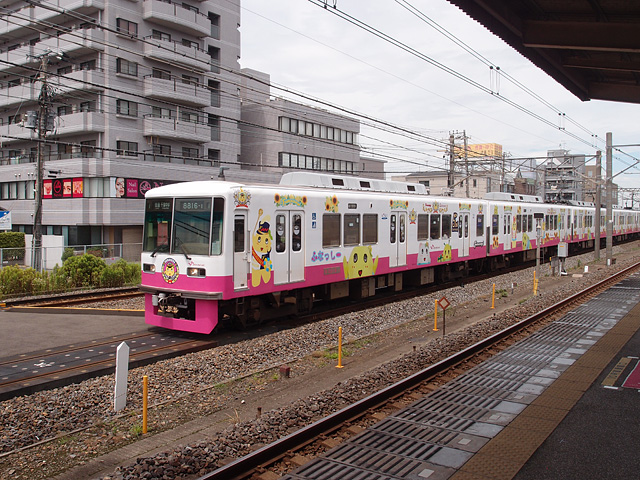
column 176, row 129
column 176, row 16
column 176, row 90
column 174, row 52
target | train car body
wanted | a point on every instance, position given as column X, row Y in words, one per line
column 217, row 251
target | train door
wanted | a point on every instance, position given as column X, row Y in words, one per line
column 463, row 234
column 241, row 260
column 507, row 231
column 393, row 239
column 402, row 239
column 288, row 254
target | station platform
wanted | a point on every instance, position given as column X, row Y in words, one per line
column 561, row 404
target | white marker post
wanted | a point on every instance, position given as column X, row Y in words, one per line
column 122, row 371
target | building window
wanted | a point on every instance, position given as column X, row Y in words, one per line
column 190, row 7
column 188, row 116
column 13, row 83
column 64, row 70
column 126, row 27
column 126, row 107
column 214, row 88
column 158, row 35
column 190, row 43
column 215, row 25
column 161, row 153
column 159, row 73
column 63, row 110
column 87, row 148
column 87, row 106
column 214, row 122
column 126, row 67
column 189, row 153
column 214, row 156
column 190, row 80
column 129, row 149
column 161, row 112
column 88, row 65
column 214, row 53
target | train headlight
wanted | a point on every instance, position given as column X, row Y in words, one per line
column 148, row 267
column 196, row 272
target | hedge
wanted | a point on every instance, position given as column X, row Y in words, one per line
column 85, row 271
column 12, row 244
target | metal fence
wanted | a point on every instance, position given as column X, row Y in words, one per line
column 53, row 255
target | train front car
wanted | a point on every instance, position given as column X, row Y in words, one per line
column 183, row 266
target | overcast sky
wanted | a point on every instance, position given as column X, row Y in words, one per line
column 308, row 49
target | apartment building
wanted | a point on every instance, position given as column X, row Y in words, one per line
column 279, row 136
column 139, row 93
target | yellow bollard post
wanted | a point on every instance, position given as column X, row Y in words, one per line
column 435, row 322
column 493, row 297
column 145, row 394
column 339, row 348
column 535, row 287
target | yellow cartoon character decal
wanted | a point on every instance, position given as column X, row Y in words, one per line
column 261, row 265
column 526, row 243
column 360, row 264
column 446, row 254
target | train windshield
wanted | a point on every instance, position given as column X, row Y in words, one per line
column 191, row 226
column 157, row 224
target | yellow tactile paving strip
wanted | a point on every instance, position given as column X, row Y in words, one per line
column 503, row 456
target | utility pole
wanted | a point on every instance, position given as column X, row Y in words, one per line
column 609, row 179
column 452, row 147
column 466, row 161
column 43, row 118
column 598, row 203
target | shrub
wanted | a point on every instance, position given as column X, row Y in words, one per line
column 13, row 243
column 84, row 271
column 68, row 253
column 112, row 276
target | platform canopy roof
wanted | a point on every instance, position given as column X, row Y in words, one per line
column 591, row 47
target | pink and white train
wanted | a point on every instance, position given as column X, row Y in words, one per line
column 217, row 251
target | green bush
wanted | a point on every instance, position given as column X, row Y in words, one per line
column 68, row 253
column 83, row 271
column 13, row 245
column 76, row 272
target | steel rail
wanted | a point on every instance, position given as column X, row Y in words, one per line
column 245, row 466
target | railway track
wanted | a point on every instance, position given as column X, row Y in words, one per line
column 283, row 455
column 72, row 298
column 28, row 373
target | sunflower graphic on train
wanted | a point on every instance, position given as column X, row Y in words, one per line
column 261, row 241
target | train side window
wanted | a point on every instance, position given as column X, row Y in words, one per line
column 331, row 230
column 434, row 231
column 531, row 223
column 402, row 228
column 480, row 226
column 495, row 221
column 281, row 233
column 369, row 228
column 423, row 226
column 351, row 229
column 216, row 226
column 519, row 223
column 238, row 234
column 296, row 232
column 392, row 228
column 446, row 226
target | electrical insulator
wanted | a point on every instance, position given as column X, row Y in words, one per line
column 31, row 120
